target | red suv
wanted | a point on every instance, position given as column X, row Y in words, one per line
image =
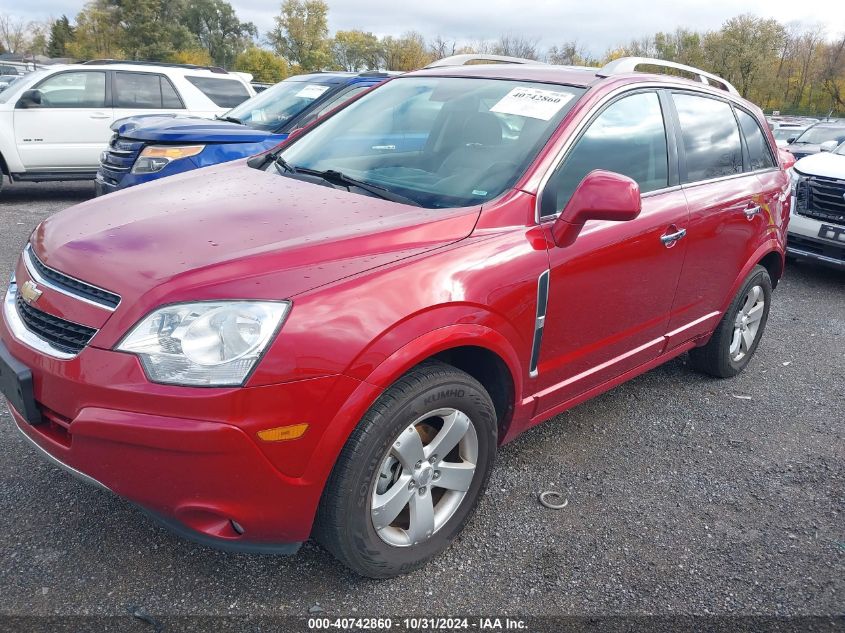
column 334, row 338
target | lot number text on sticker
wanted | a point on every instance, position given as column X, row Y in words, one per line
column 312, row 91
column 532, row 102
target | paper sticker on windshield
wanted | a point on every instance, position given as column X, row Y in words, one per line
column 312, row 91
column 532, row 102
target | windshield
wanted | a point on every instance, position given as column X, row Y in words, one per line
column 786, row 133
column 437, row 141
column 272, row 108
column 821, row 134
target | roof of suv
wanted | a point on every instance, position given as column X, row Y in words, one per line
column 570, row 75
column 584, row 76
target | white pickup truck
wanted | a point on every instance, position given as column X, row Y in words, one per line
column 817, row 225
column 55, row 122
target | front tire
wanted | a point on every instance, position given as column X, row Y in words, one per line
column 739, row 332
column 411, row 474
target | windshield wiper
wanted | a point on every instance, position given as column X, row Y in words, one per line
column 339, row 178
column 230, row 119
column 281, row 162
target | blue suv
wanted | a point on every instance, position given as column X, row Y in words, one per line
column 149, row 147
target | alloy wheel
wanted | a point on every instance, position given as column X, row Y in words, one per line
column 424, row 477
column 747, row 322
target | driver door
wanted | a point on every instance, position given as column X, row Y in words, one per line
column 611, row 291
column 69, row 128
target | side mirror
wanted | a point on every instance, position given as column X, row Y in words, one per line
column 791, row 140
column 828, row 146
column 29, row 99
column 787, row 158
column 602, row 195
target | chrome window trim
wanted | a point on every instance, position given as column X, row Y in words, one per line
column 19, row 330
column 582, row 125
column 33, row 272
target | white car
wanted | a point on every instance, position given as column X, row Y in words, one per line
column 817, row 224
column 55, row 122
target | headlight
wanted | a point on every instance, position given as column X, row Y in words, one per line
column 154, row 158
column 214, row 343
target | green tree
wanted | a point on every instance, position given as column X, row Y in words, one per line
column 301, row 34
column 405, row 53
column 98, row 33
column 262, row 64
column 741, row 50
column 356, row 50
column 217, row 28
column 61, row 34
column 153, row 29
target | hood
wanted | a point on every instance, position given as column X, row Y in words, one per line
column 800, row 150
column 231, row 231
column 825, row 164
column 179, row 128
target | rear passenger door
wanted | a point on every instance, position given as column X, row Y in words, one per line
column 726, row 205
column 143, row 93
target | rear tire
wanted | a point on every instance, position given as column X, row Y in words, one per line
column 392, row 502
column 739, row 332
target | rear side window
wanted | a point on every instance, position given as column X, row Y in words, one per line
column 758, row 148
column 628, row 138
column 226, row 93
column 144, row 91
column 710, row 137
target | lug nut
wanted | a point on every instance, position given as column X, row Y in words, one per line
column 412, row 484
column 419, row 465
column 433, row 458
column 422, row 490
column 437, row 474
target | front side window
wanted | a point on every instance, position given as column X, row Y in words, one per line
column 84, row 89
column 710, row 137
column 437, row 141
column 628, row 137
column 272, row 108
column 225, row 93
column 758, row 147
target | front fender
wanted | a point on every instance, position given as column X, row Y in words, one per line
column 414, row 352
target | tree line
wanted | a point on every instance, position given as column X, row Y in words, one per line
column 788, row 67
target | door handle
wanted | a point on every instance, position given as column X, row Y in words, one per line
column 670, row 238
column 100, row 115
column 751, row 211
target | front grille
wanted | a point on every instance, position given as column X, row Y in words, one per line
column 70, row 285
column 65, row 336
column 118, row 159
column 822, row 199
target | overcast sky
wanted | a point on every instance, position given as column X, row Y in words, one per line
column 595, row 24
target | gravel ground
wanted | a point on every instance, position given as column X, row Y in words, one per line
column 688, row 495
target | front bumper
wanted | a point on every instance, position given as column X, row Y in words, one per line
column 209, row 486
column 804, row 242
column 188, row 456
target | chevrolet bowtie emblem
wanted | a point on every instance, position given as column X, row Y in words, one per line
column 30, row 292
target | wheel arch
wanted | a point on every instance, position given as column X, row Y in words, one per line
column 774, row 263
column 465, row 346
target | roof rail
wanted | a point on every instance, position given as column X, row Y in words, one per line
column 468, row 58
column 629, row 65
column 106, row 62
